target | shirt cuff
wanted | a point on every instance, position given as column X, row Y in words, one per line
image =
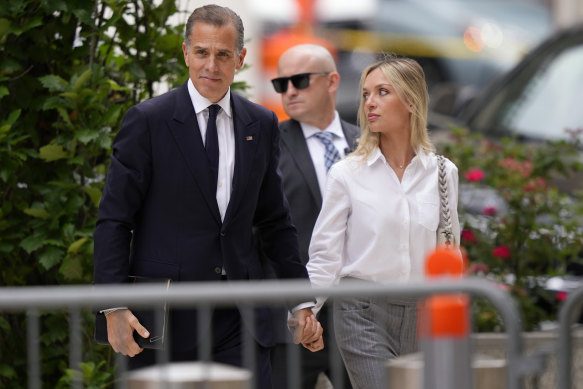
column 108, row 311
column 310, row 304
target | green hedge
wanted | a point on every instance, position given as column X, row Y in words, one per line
column 68, row 72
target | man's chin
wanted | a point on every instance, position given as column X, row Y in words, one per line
column 295, row 111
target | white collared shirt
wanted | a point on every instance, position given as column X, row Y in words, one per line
column 226, row 135
column 375, row 228
column 317, row 148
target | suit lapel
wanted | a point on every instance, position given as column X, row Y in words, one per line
column 293, row 137
column 350, row 135
column 246, row 131
column 184, row 128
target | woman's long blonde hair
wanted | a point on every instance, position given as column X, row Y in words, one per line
column 407, row 78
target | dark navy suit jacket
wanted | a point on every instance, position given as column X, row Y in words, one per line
column 159, row 217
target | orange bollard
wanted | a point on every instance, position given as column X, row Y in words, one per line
column 444, row 327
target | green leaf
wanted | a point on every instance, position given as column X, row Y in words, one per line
column 50, row 257
column 4, row 130
column 52, row 152
column 137, row 71
column 64, row 115
column 54, row 83
column 71, row 268
column 37, row 212
column 7, row 371
column 114, row 85
column 13, row 117
column 53, row 102
column 69, row 231
column 4, row 26
column 94, row 194
column 76, row 245
column 32, row 243
column 55, row 242
column 104, row 141
column 69, row 95
column 82, row 80
column 6, row 247
column 4, row 91
column 86, row 136
column 112, row 114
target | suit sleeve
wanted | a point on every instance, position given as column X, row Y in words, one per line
column 126, row 186
column 272, row 219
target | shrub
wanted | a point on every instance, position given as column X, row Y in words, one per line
column 532, row 231
column 68, row 72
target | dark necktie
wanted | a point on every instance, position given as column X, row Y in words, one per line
column 332, row 154
column 212, row 142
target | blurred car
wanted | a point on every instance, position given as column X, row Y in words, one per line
column 539, row 99
column 467, row 42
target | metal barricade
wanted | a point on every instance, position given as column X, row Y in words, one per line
column 207, row 295
column 567, row 315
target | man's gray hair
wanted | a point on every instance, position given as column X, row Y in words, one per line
column 217, row 16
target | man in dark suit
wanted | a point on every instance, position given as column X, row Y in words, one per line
column 192, row 173
column 311, row 141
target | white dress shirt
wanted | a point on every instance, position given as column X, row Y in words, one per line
column 226, row 135
column 373, row 227
column 317, row 148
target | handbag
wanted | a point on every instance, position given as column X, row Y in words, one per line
column 149, row 318
column 445, row 235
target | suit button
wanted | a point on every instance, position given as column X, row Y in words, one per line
column 223, row 234
column 218, row 270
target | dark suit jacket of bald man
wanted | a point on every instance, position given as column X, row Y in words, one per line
column 300, row 181
column 302, row 190
column 305, row 199
column 159, row 216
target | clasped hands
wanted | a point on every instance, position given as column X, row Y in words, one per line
column 304, row 326
column 306, row 329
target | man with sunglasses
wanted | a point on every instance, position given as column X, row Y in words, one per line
column 311, row 141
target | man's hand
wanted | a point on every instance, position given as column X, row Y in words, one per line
column 315, row 346
column 306, row 329
column 120, row 330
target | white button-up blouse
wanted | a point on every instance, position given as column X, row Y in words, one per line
column 373, row 227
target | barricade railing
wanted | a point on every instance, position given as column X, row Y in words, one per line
column 204, row 296
column 569, row 311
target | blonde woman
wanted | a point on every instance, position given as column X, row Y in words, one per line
column 379, row 218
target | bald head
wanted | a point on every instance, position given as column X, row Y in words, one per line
column 314, row 56
column 314, row 102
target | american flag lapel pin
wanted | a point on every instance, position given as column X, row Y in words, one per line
column 249, row 138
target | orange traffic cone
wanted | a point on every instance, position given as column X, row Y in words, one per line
column 444, row 328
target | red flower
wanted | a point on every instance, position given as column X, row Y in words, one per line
column 511, row 164
column 474, row 175
column 490, row 211
column 536, row 184
column 468, row 236
column 501, row 252
column 478, row 268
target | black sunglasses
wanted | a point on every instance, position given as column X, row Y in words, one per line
column 299, row 81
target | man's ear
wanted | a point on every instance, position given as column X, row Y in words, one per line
column 241, row 59
column 185, row 52
column 334, row 81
